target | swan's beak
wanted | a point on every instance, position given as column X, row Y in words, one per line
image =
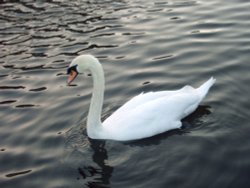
column 72, row 75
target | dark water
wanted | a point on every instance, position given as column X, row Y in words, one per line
column 143, row 46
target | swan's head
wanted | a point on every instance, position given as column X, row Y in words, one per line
column 79, row 65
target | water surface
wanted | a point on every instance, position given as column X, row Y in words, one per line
column 143, row 46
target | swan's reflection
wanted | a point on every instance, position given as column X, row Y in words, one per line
column 88, row 158
column 101, row 176
column 195, row 117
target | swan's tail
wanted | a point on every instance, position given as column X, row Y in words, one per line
column 204, row 88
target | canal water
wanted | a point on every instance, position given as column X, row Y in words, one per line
column 143, row 46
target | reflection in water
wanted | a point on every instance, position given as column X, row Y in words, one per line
column 89, row 158
column 99, row 157
column 196, row 117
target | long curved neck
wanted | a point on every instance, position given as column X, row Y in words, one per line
column 94, row 125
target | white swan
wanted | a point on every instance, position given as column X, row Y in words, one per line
column 144, row 115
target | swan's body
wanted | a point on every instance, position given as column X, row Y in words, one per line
column 144, row 115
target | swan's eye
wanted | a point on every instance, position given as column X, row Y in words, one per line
column 70, row 70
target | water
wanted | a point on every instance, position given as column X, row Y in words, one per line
column 143, row 46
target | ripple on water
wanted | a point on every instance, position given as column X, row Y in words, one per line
column 26, row 106
column 8, row 102
column 14, row 174
column 11, row 87
column 38, row 89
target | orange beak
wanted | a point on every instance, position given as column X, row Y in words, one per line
column 72, row 75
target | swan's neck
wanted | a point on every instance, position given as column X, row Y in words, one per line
column 94, row 125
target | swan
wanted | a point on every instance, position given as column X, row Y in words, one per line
column 145, row 115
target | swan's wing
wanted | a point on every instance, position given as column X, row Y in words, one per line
column 143, row 98
column 152, row 117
